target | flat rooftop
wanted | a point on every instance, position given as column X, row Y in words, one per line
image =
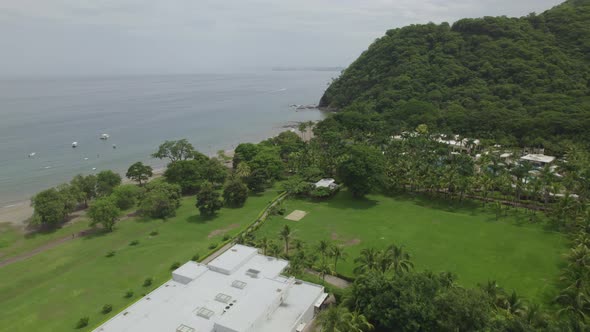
column 538, row 158
column 253, row 296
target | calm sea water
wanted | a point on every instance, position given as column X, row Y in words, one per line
column 213, row 111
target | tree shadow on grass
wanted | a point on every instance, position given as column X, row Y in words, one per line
column 93, row 233
column 439, row 203
column 199, row 219
column 345, row 200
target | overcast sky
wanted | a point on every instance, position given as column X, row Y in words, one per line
column 73, row 37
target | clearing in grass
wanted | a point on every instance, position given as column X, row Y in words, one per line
column 464, row 239
column 52, row 290
column 296, row 215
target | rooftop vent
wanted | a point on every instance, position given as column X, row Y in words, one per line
column 223, row 298
column 252, row 273
column 204, row 312
column 238, row 284
column 184, row 328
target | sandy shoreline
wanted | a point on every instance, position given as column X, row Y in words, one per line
column 19, row 213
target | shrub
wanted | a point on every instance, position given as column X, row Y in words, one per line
column 196, row 257
column 174, row 266
column 129, row 294
column 107, row 308
column 148, row 282
column 134, row 243
column 154, row 233
column 83, row 322
column 321, row 193
column 110, row 253
column 226, row 237
column 212, row 246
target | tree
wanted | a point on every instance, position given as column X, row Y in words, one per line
column 139, row 172
column 244, row 152
column 263, row 244
column 337, row 254
column 160, row 200
column 49, row 207
column 460, row 309
column 256, row 182
column 188, row 174
column 126, row 196
column 323, row 249
column 268, row 162
column 242, row 171
column 285, row 235
column 106, row 181
column 274, row 249
column 86, row 185
column 363, row 170
column 397, row 259
column 177, row 150
column 367, row 261
column 339, row 319
column 208, row 200
column 235, row 193
column 104, row 211
column 296, row 186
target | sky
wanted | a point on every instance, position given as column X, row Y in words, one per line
column 82, row 37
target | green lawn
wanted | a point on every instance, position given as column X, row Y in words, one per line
column 52, row 290
column 465, row 240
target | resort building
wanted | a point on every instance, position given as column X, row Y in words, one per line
column 239, row 291
column 538, row 160
column 326, row 183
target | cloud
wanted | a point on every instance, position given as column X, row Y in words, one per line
column 206, row 35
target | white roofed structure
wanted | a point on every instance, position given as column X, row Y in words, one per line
column 239, row 291
column 326, row 183
column 540, row 159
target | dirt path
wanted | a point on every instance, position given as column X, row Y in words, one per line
column 56, row 242
column 332, row 280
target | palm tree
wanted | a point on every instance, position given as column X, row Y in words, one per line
column 368, row 260
column 243, row 170
column 358, row 322
column 332, row 319
column 494, row 291
column 274, row 249
column 573, row 303
column 399, row 260
column 323, row 247
column 323, row 270
column 263, row 244
column 513, row 304
column 338, row 254
column 298, row 244
column 285, row 235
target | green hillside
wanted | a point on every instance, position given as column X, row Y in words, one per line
column 518, row 80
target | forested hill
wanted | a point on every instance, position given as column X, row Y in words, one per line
column 519, row 80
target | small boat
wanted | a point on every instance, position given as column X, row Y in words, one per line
column 114, row 146
column 32, row 154
column 74, row 144
column 86, row 158
column 104, row 136
column 94, row 168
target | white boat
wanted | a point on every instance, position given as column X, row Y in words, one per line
column 74, row 144
column 32, row 154
column 104, row 136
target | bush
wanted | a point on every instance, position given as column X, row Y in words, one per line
column 321, row 193
column 148, row 282
column 129, row 294
column 235, row 193
column 212, row 246
column 126, row 196
column 174, row 266
column 196, row 257
column 107, row 308
column 110, row 253
column 83, row 322
column 154, row 233
column 226, row 237
column 134, row 243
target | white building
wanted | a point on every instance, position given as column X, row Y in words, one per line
column 538, row 159
column 239, row 291
column 326, row 183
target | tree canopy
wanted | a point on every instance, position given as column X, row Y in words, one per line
column 524, row 80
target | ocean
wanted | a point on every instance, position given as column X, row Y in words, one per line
column 44, row 116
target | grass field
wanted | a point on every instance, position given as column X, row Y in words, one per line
column 465, row 240
column 52, row 290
